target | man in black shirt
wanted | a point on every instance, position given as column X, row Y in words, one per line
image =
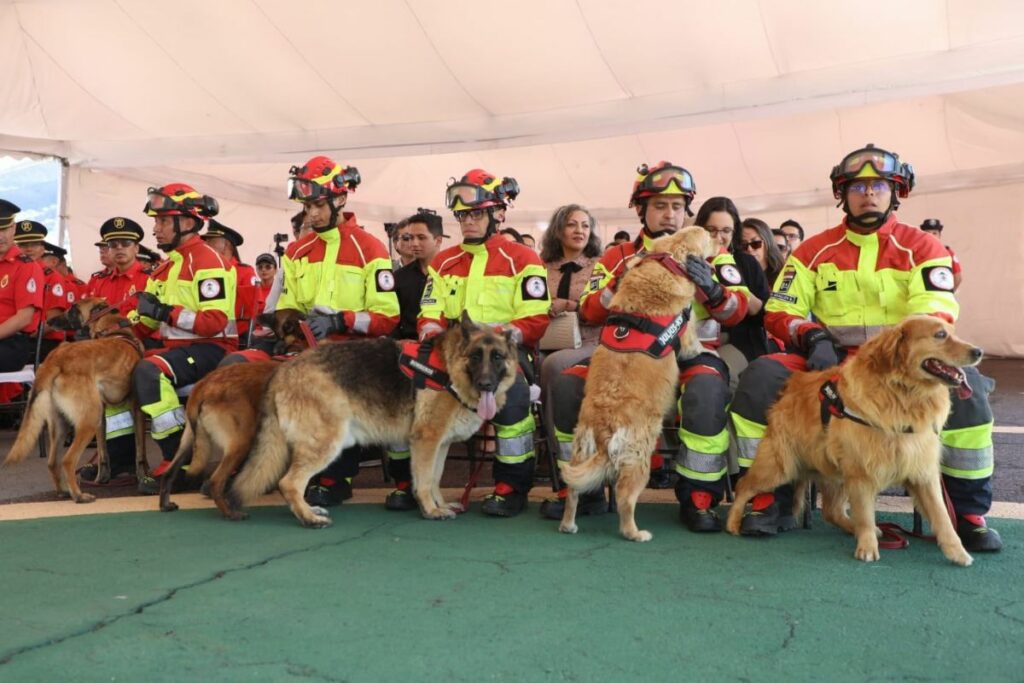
column 421, row 234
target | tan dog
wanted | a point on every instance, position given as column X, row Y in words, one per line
column 221, row 418
column 343, row 394
column 898, row 383
column 72, row 386
column 627, row 394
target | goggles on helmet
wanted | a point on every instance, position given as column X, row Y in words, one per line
column 191, row 204
column 872, row 162
column 470, row 196
column 303, row 189
column 660, row 180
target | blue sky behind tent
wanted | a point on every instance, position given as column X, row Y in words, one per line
column 34, row 185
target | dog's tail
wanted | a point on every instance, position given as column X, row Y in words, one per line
column 590, row 466
column 268, row 461
column 40, row 411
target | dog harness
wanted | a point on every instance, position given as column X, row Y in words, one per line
column 832, row 406
column 656, row 335
column 422, row 363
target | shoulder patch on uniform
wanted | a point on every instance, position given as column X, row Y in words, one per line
column 729, row 274
column 938, row 278
column 31, row 285
column 211, row 289
column 385, row 280
column 57, row 289
column 788, row 275
column 535, row 287
column 788, row 298
column 427, row 298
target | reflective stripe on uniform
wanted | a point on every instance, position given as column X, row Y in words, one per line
column 168, row 423
column 118, row 420
column 167, row 414
column 748, row 437
column 702, row 457
column 515, row 441
column 967, row 452
column 855, row 335
column 564, row 446
column 361, row 322
column 398, row 451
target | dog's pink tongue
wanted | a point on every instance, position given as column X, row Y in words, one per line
column 964, row 391
column 487, row 408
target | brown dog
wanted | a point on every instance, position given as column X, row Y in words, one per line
column 72, row 386
column 355, row 392
column 627, row 394
column 221, row 416
column 898, row 384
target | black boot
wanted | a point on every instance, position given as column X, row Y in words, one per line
column 766, row 521
column 320, row 495
column 698, row 515
column 978, row 538
column 591, row 503
column 504, row 501
column 401, row 498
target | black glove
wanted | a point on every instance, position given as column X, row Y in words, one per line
column 149, row 306
column 821, row 352
column 701, row 273
column 323, row 325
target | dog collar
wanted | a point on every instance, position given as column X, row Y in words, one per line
column 832, row 406
column 422, row 363
column 657, row 336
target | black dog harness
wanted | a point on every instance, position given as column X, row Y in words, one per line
column 422, row 363
column 832, row 406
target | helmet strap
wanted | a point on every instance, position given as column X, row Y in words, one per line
column 168, row 247
column 332, row 222
column 870, row 220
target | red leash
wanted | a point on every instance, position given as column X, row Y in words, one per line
column 308, row 334
column 894, row 536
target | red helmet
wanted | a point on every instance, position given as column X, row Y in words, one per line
column 872, row 162
column 179, row 199
column 478, row 189
column 319, row 178
column 663, row 178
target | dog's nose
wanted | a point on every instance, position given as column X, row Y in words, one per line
column 977, row 353
column 485, row 385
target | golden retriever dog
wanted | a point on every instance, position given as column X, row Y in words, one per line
column 897, row 389
column 73, row 385
column 627, row 393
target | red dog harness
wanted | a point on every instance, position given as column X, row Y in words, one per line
column 832, row 406
column 422, row 363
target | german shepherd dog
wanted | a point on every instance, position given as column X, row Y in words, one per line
column 73, row 384
column 222, row 414
column 340, row 395
column 627, row 394
column 897, row 387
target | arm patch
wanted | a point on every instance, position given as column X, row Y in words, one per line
column 211, row 289
column 385, row 280
column 729, row 274
column 938, row 278
column 535, row 288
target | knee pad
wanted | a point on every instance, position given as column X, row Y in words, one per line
column 704, row 403
column 567, row 396
column 146, row 380
column 759, row 386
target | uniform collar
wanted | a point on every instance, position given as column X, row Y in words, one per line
column 482, row 247
column 134, row 268
column 884, row 231
column 12, row 254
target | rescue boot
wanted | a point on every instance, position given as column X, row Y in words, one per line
column 977, row 537
column 590, row 503
column 401, row 498
column 698, row 515
column 504, row 501
column 764, row 517
column 328, row 492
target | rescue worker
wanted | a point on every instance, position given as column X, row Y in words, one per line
column 149, row 259
column 933, row 226
column 248, row 304
column 661, row 197
column 495, row 282
column 30, row 237
column 21, row 295
column 339, row 276
column 118, row 285
column 190, row 298
column 866, row 274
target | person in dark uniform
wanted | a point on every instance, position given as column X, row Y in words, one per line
column 421, row 235
column 30, row 236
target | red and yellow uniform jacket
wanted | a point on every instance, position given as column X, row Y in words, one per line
column 498, row 283
column 56, row 297
column 247, row 298
column 201, row 288
column 21, row 286
column 731, row 310
column 117, row 287
column 343, row 269
column 856, row 285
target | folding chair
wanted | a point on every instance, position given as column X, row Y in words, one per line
column 26, row 377
column 248, row 309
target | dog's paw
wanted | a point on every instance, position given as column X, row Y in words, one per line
column 236, row 515
column 958, row 556
column 455, row 507
column 568, row 528
column 319, row 511
column 85, row 498
column 867, row 552
column 640, row 536
column 439, row 513
column 317, row 522
column 169, row 507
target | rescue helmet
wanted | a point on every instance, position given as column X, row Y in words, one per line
column 478, row 189
column 663, row 178
column 872, row 162
column 179, row 199
column 320, row 178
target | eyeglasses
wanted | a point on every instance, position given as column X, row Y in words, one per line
column 470, row 215
column 876, row 187
column 752, row 244
column 791, row 236
column 715, row 232
column 120, row 244
column 410, row 238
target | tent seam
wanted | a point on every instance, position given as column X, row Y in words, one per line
column 441, row 59
column 600, row 52
column 28, row 57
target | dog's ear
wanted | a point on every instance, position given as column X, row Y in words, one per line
column 511, row 340
column 266, row 320
column 892, row 351
column 62, row 322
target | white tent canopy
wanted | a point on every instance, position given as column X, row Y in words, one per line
column 757, row 99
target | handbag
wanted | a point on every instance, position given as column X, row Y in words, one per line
column 563, row 333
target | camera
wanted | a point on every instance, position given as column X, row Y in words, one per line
column 280, row 237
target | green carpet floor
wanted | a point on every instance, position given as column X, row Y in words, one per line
column 384, row 596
